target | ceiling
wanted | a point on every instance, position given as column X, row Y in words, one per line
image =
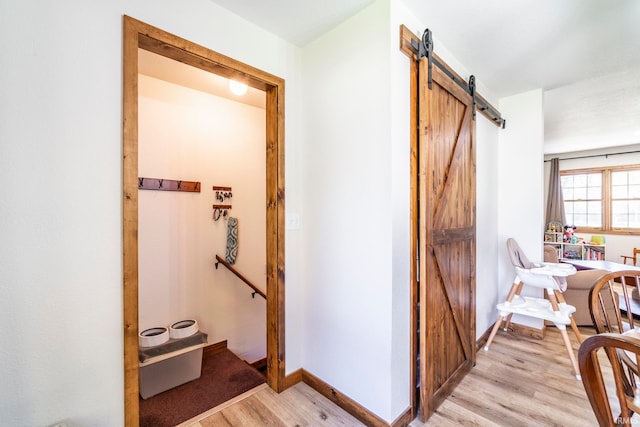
column 585, row 54
column 163, row 68
column 513, row 46
column 297, row 21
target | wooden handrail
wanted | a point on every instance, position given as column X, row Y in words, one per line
column 256, row 290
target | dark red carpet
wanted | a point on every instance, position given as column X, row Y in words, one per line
column 223, row 377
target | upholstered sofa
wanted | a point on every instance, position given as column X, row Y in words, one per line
column 578, row 287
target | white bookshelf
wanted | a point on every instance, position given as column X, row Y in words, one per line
column 584, row 251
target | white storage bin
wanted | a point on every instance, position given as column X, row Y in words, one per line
column 156, row 377
column 162, row 369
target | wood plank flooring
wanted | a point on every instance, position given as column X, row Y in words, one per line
column 520, row 381
column 299, row 405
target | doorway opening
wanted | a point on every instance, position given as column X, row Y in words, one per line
column 138, row 35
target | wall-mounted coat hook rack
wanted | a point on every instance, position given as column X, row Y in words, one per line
column 222, row 193
column 162, row 184
column 220, row 211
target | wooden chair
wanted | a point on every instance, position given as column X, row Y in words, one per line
column 627, row 399
column 636, row 251
column 608, row 298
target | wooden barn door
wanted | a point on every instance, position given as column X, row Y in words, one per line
column 447, row 230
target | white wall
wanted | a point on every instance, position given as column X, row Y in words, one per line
column 61, row 166
column 520, row 185
column 399, row 92
column 347, row 224
column 61, row 209
column 616, row 244
column 353, row 259
column 488, row 247
column 193, row 136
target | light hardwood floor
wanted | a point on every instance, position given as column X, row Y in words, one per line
column 299, row 405
column 520, row 381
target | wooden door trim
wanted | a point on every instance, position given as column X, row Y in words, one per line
column 137, row 34
column 414, row 230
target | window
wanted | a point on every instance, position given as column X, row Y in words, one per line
column 583, row 199
column 625, row 199
column 602, row 199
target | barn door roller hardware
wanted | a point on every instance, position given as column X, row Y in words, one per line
column 472, row 89
column 425, row 49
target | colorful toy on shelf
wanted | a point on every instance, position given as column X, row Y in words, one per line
column 573, row 254
column 568, row 233
column 554, row 227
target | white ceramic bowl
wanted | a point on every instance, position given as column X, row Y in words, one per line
column 153, row 336
column 183, row 328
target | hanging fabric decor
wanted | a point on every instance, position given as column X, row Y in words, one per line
column 555, row 200
column 232, row 240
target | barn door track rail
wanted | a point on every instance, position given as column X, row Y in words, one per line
column 424, row 48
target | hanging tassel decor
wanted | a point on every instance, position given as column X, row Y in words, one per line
column 232, row 240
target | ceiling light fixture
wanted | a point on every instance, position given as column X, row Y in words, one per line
column 237, row 88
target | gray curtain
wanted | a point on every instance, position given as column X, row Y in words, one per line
column 555, row 201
